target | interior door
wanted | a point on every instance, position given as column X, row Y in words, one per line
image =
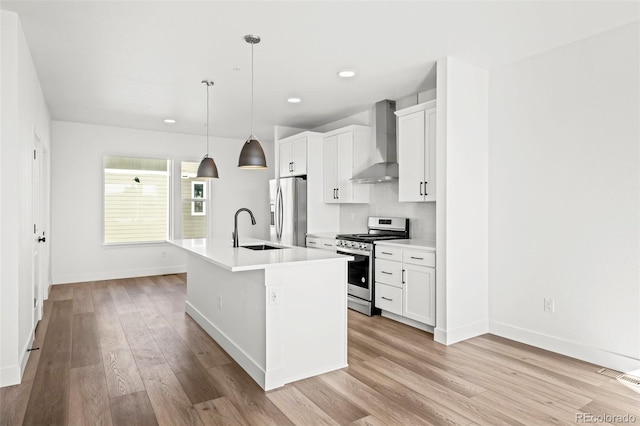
column 39, row 237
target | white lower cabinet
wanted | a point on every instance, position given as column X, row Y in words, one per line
column 389, row 298
column 405, row 282
column 419, row 293
column 321, row 243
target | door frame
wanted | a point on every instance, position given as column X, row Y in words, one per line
column 39, row 214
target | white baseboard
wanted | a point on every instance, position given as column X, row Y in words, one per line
column 9, row 376
column 566, row 347
column 114, row 275
column 246, row 362
column 458, row 334
column 12, row 375
column 25, row 354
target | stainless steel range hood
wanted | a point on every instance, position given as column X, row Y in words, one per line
column 385, row 144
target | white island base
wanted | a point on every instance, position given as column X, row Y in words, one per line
column 281, row 323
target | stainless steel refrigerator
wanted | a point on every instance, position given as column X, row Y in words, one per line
column 288, row 210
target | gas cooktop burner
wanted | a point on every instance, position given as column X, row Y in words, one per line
column 380, row 228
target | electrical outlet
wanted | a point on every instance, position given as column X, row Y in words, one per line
column 274, row 295
column 549, row 305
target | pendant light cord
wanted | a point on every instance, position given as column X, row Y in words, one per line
column 251, row 89
column 207, row 119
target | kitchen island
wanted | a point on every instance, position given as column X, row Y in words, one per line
column 281, row 314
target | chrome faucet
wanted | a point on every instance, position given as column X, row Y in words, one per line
column 235, row 224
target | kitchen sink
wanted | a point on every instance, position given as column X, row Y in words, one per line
column 262, row 247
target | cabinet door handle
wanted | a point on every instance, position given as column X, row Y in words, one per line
column 388, row 273
column 293, row 168
column 334, row 193
column 421, row 187
column 387, row 253
column 338, row 193
column 403, row 276
column 417, row 258
column 386, row 298
column 425, row 188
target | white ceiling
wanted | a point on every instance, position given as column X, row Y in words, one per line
column 132, row 64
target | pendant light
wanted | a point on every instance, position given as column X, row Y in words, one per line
column 207, row 167
column 252, row 155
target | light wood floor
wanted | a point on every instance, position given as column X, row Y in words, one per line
column 123, row 352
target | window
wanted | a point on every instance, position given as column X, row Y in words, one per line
column 197, row 193
column 194, row 194
column 136, row 200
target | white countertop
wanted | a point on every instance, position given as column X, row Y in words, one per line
column 221, row 253
column 411, row 243
column 331, row 235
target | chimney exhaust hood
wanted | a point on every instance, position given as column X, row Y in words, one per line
column 385, row 144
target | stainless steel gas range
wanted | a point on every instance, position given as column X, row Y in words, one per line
column 360, row 275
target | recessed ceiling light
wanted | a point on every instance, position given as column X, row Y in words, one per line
column 294, row 100
column 169, row 121
column 347, row 73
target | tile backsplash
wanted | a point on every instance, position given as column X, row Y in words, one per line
column 383, row 201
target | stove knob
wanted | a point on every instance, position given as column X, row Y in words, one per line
column 363, row 246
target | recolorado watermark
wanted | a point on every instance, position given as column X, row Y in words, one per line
column 605, row 418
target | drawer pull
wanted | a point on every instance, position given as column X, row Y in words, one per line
column 388, row 273
column 387, row 253
column 311, row 242
column 329, row 245
column 417, row 258
column 386, row 298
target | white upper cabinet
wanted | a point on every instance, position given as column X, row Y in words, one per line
column 293, row 156
column 346, row 152
column 417, row 152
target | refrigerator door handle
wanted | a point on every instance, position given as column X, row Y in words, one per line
column 280, row 213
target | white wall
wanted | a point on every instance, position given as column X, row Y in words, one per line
column 77, row 198
column 23, row 109
column 461, row 201
column 564, row 201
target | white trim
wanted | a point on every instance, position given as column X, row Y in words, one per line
column 468, row 331
column 25, row 354
column 566, row 347
column 9, row 376
column 415, row 108
column 114, row 275
column 12, row 375
column 440, row 336
column 458, row 334
column 247, row 363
